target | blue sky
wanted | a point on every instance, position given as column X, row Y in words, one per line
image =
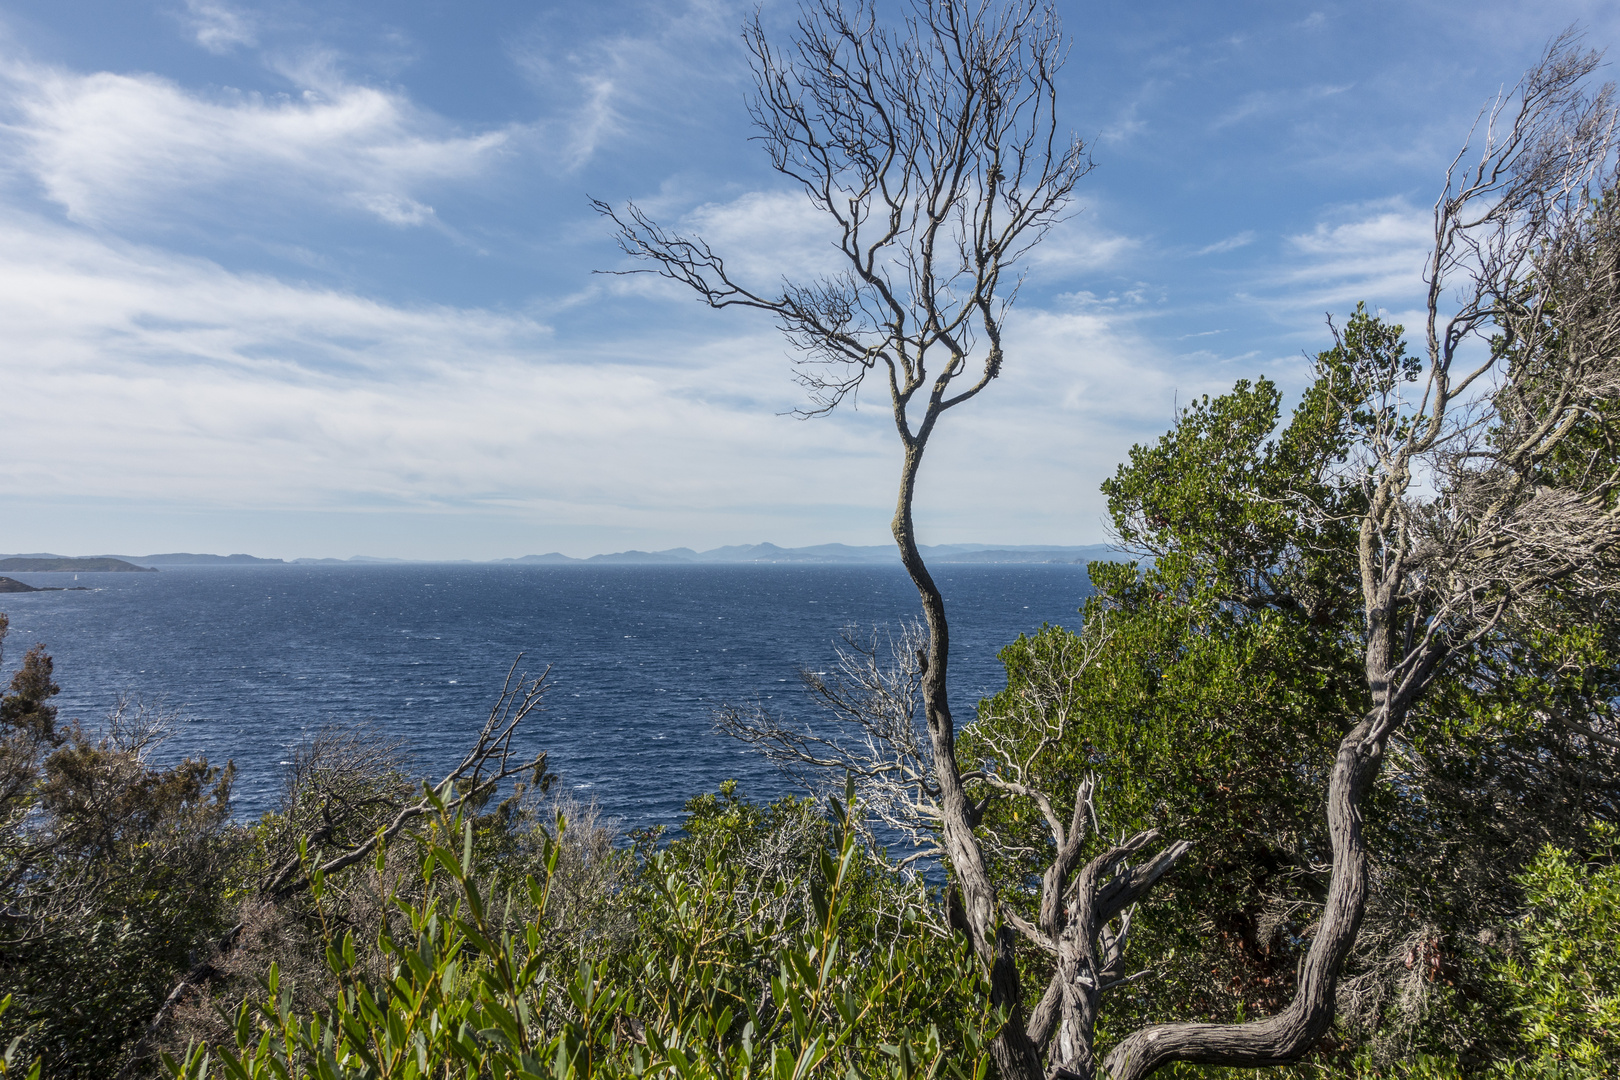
column 314, row 279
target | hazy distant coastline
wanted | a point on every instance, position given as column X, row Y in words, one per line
column 877, row 554
column 63, row 564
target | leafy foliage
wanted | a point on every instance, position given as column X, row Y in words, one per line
column 1564, row 986
column 711, row 989
column 112, row 872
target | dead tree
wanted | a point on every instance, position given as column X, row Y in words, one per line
column 935, row 153
column 871, row 702
column 871, row 730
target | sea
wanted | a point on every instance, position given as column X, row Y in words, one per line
column 252, row 660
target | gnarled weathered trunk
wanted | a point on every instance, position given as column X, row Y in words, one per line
column 1289, row 1034
column 1015, row 1054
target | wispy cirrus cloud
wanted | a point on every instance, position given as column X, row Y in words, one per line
column 607, row 85
column 1372, row 251
column 114, row 149
column 220, row 27
column 1261, row 104
column 1129, row 122
column 1230, row 243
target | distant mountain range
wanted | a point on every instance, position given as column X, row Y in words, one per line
column 877, row 554
column 842, row 553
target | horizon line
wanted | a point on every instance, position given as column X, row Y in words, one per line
column 738, row 553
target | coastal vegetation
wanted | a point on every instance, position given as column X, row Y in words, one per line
column 1326, row 782
column 516, row 934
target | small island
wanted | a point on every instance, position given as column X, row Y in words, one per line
column 12, row 585
column 56, row 565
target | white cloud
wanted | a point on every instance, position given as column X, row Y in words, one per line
column 765, row 236
column 136, row 374
column 113, row 149
column 1125, row 126
column 597, row 120
column 1292, row 100
column 1383, row 227
column 1078, row 243
column 1376, row 255
column 395, row 209
column 1231, row 243
column 220, row 27
column 1371, row 252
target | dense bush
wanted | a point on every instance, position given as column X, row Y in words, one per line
column 1563, row 978
column 720, row 979
column 113, row 872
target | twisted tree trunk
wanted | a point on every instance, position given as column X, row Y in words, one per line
column 1289, row 1034
column 1015, row 1053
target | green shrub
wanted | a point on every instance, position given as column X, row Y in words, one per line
column 711, row 988
column 1564, row 980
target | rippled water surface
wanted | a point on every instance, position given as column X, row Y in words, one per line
column 255, row 658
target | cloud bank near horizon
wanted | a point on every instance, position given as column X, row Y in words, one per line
column 290, row 288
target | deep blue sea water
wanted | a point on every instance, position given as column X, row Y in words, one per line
column 256, row 658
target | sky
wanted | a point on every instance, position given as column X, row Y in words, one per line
column 316, row 278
